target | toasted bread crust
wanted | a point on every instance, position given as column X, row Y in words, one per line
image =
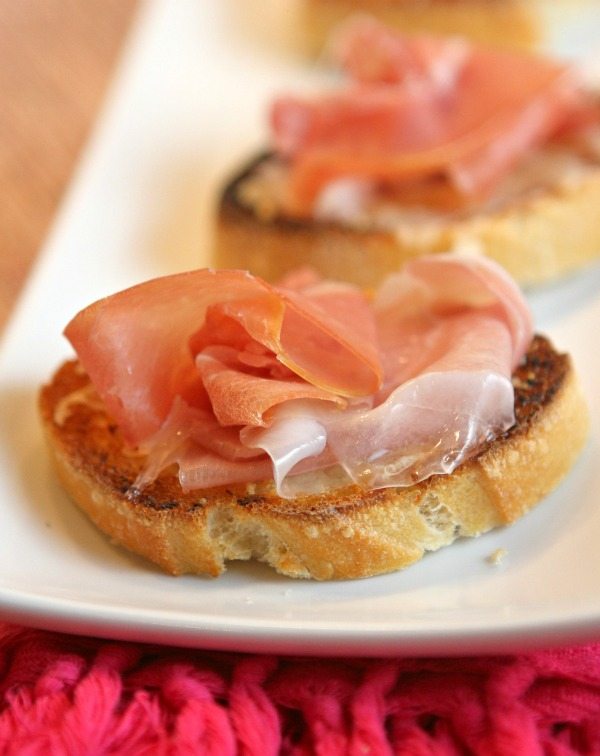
column 536, row 239
column 347, row 533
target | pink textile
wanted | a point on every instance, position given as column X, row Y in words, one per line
column 63, row 694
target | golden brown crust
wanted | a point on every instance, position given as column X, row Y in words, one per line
column 347, row 533
column 537, row 239
column 498, row 23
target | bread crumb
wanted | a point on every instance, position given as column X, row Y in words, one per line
column 496, row 557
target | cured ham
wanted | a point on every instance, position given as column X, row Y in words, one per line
column 139, row 346
column 378, row 392
column 450, row 331
column 417, row 110
column 371, row 52
column 240, row 398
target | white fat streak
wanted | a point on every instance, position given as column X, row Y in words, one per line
column 290, row 439
column 427, row 426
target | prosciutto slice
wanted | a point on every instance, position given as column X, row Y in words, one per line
column 201, row 370
column 139, row 346
column 451, row 330
column 417, row 109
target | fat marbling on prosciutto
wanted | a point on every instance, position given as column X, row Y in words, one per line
column 236, row 380
column 438, row 120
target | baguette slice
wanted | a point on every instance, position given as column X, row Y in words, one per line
column 537, row 235
column 349, row 532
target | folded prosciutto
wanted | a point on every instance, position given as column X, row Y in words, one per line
column 235, row 380
column 424, row 117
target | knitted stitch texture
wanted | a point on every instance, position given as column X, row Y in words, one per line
column 63, row 694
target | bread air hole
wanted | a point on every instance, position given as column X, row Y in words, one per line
column 437, row 515
column 237, row 539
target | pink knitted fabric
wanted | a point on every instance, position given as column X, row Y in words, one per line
column 62, row 694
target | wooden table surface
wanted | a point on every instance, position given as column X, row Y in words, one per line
column 56, row 58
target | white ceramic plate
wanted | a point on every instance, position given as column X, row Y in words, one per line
column 187, row 105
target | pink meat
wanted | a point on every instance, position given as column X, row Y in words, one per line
column 234, row 380
column 412, row 109
column 139, row 346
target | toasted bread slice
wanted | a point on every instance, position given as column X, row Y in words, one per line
column 537, row 233
column 500, row 23
column 349, row 532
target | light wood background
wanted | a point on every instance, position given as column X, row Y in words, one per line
column 56, row 58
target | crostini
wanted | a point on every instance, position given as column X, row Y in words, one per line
column 210, row 416
column 515, row 24
column 429, row 143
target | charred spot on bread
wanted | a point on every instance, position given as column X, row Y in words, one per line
column 234, row 206
column 536, row 380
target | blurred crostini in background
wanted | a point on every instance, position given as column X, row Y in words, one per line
column 515, row 24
